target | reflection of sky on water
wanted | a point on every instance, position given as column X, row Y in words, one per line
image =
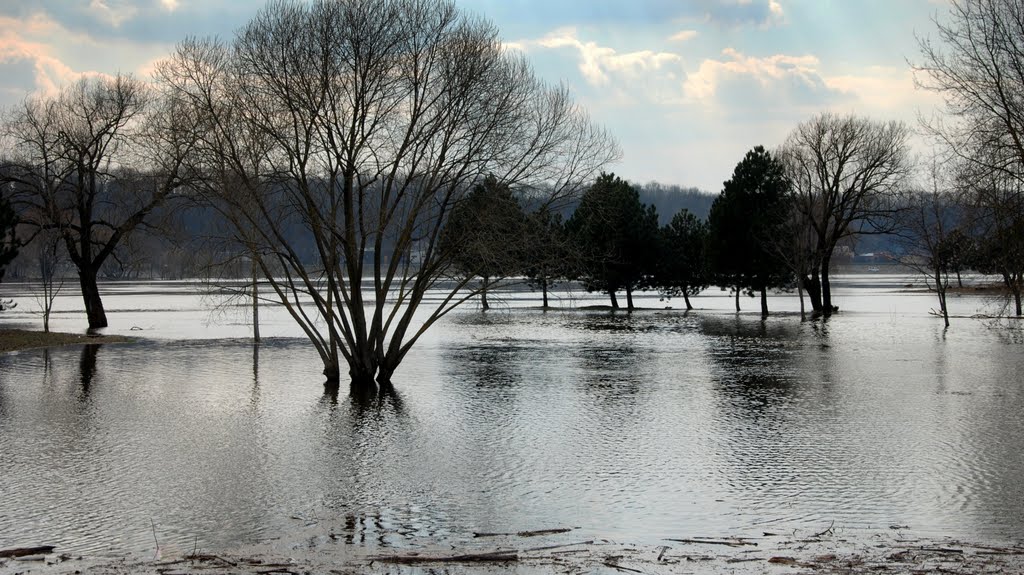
column 658, row 424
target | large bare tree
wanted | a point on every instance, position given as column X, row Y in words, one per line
column 845, row 173
column 91, row 164
column 337, row 136
column 976, row 63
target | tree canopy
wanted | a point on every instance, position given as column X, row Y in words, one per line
column 682, row 266
column 615, row 234
column 745, row 218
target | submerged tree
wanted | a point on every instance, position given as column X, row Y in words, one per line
column 845, row 174
column 484, row 235
column 550, row 255
column 997, row 203
column 92, row 164
column 362, row 125
column 976, row 63
column 616, row 237
column 745, row 218
column 929, row 221
column 682, row 269
column 8, row 241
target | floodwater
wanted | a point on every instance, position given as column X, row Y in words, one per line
column 627, row 427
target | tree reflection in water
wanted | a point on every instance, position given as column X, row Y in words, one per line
column 87, row 368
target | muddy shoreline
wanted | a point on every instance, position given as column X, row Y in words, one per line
column 558, row 551
column 21, row 339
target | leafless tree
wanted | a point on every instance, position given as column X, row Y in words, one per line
column 929, row 221
column 845, row 173
column 363, row 124
column 976, row 63
column 92, row 164
column 52, row 268
column 996, row 201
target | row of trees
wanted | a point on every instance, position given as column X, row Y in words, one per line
column 411, row 152
column 775, row 225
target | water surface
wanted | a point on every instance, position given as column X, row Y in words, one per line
column 631, row 427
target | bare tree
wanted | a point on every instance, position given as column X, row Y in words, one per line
column 52, row 269
column 92, row 164
column 845, row 173
column 929, row 220
column 338, row 136
column 996, row 200
column 976, row 63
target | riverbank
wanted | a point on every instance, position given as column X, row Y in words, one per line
column 19, row 339
column 893, row 551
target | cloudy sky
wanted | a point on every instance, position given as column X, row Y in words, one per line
column 687, row 86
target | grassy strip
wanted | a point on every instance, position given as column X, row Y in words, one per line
column 17, row 339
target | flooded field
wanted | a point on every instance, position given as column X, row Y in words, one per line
column 628, row 427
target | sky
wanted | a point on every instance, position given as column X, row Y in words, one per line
column 686, row 86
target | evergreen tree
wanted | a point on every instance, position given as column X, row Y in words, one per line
column 745, row 218
column 616, row 237
column 484, row 234
column 550, row 256
column 681, row 269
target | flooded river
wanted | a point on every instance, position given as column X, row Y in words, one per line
column 632, row 427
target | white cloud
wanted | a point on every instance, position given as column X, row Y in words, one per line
column 169, row 5
column 114, row 15
column 17, row 45
column 683, row 36
column 885, row 89
column 598, row 63
column 736, row 78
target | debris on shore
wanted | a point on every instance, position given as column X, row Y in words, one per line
column 828, row 552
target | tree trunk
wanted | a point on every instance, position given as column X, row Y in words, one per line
column 800, row 294
column 813, row 287
column 483, row 296
column 544, row 291
column 332, row 372
column 615, row 301
column 940, row 289
column 686, row 298
column 764, row 302
column 959, row 280
column 737, row 299
column 1016, row 294
column 826, row 288
column 1012, row 282
column 91, row 295
column 384, row 376
column 629, row 298
column 255, row 303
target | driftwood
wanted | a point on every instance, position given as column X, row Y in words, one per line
column 536, row 533
column 490, row 557
column 729, row 542
column 827, row 531
column 26, row 551
column 547, row 547
column 620, row 567
column 209, row 557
